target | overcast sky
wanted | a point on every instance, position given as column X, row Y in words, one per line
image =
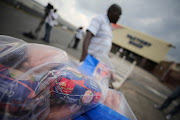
column 158, row 18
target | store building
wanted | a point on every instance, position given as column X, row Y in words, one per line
column 169, row 73
column 146, row 50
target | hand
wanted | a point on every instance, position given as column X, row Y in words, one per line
column 82, row 58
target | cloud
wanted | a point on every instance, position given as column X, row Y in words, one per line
column 96, row 6
column 150, row 21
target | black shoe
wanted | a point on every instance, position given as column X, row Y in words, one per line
column 29, row 35
column 74, row 48
column 45, row 40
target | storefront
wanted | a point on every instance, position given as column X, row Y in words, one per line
column 146, row 50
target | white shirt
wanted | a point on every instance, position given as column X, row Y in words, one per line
column 50, row 20
column 79, row 35
column 101, row 42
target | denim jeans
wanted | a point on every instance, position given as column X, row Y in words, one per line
column 47, row 34
column 170, row 99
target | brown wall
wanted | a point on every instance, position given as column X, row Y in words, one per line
column 162, row 69
column 165, row 72
column 173, row 78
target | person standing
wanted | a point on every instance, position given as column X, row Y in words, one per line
column 78, row 37
column 173, row 96
column 98, row 39
column 50, row 21
column 34, row 35
column 47, row 10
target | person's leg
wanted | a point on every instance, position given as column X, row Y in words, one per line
column 168, row 101
column 76, row 43
column 49, row 32
column 46, row 30
column 173, row 112
column 73, row 40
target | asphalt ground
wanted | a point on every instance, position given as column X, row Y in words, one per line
column 141, row 90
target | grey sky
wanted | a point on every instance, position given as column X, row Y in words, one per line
column 158, row 18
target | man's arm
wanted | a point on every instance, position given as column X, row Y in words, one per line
column 86, row 42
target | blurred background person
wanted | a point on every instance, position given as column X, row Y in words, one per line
column 34, row 35
column 175, row 95
column 79, row 35
column 50, row 21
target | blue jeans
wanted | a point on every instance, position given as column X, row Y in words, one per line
column 48, row 31
column 175, row 95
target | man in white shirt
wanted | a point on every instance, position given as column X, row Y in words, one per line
column 78, row 37
column 98, row 40
column 51, row 20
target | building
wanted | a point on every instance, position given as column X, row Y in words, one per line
column 169, row 73
column 146, row 50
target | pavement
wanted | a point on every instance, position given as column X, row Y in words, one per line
column 141, row 89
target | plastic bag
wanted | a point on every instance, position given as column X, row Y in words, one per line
column 39, row 82
column 102, row 72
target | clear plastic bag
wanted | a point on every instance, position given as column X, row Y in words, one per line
column 117, row 102
column 40, row 82
column 101, row 71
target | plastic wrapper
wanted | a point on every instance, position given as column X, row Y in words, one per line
column 40, row 82
column 100, row 70
column 115, row 107
column 117, row 102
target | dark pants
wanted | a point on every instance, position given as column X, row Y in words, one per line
column 48, row 31
column 76, row 43
column 170, row 99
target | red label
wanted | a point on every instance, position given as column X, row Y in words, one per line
column 66, row 85
column 97, row 97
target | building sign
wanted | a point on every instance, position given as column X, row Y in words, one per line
column 138, row 42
